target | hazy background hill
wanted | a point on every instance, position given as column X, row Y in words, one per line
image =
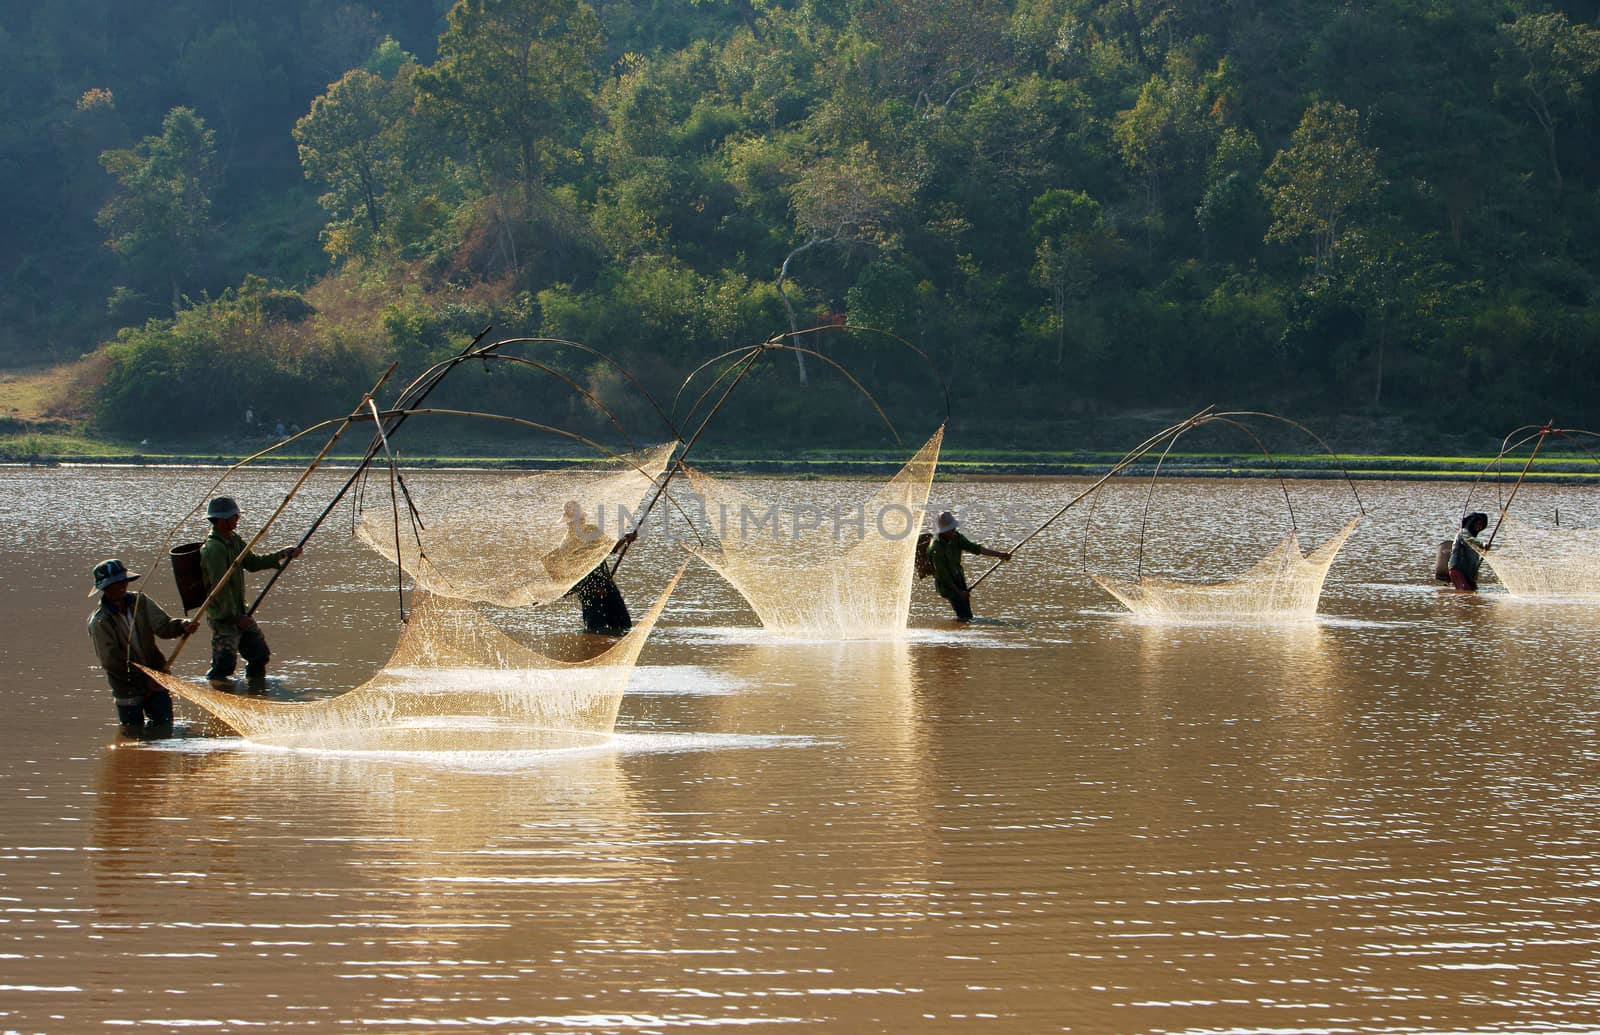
column 1379, row 216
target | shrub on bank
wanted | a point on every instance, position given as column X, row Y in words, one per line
column 254, row 349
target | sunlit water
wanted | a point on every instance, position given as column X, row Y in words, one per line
column 1063, row 818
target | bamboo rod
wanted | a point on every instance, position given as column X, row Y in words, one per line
column 293, row 491
column 394, row 506
column 397, row 419
column 1121, row 465
column 755, row 354
column 1225, row 418
column 618, row 367
column 521, row 422
column 1544, row 433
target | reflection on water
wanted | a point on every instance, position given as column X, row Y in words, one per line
column 1067, row 819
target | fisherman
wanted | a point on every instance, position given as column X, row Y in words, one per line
column 605, row 612
column 124, row 630
column 944, row 557
column 1465, row 558
column 233, row 631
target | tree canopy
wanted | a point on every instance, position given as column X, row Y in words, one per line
column 1073, row 206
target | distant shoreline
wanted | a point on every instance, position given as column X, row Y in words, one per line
column 960, row 467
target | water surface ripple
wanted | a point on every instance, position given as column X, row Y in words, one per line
column 1065, row 819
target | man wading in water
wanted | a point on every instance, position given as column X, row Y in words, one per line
column 605, row 612
column 124, row 631
column 944, row 556
column 1464, row 556
column 233, row 632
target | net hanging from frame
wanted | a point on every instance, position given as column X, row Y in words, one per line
column 1286, row 584
column 849, row 578
column 523, row 542
column 1530, row 561
column 453, row 683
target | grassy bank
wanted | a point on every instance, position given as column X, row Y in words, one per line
column 48, row 448
column 43, row 420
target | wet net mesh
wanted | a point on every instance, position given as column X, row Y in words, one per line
column 453, row 683
column 850, row 576
column 1531, row 561
column 515, row 543
column 1284, row 585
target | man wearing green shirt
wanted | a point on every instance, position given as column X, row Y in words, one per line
column 233, row 631
column 944, row 555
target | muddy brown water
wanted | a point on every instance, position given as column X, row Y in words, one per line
column 1063, row 819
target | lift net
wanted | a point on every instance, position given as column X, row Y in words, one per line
column 517, row 543
column 835, row 573
column 1546, row 562
column 454, row 683
column 1284, row 585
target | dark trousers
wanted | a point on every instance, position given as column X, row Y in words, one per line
column 1459, row 580
column 606, row 613
column 156, row 707
column 228, row 641
column 960, row 603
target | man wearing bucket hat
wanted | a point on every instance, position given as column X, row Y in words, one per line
column 944, row 556
column 233, row 631
column 124, row 630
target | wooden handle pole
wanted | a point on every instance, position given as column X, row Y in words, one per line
column 310, row 468
column 1544, row 433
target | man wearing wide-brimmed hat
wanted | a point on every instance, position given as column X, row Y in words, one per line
column 233, row 631
column 944, row 557
column 124, row 630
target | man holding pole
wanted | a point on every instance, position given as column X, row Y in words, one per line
column 124, row 630
column 944, row 555
column 233, row 630
column 1466, row 552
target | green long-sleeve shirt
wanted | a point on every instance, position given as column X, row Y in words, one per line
column 945, row 554
column 216, row 557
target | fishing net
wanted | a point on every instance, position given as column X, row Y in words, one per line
column 1283, row 585
column 520, row 542
column 453, row 683
column 839, row 572
column 1546, row 562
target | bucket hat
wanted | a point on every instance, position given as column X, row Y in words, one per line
column 946, row 523
column 109, row 573
column 221, row 509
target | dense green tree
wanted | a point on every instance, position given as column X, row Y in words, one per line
column 1323, row 176
column 159, row 220
column 845, row 199
column 1546, row 60
column 517, row 76
column 1063, row 223
column 671, row 179
column 350, row 142
column 1167, row 133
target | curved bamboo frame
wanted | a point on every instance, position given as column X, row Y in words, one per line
column 1542, row 432
column 1232, row 418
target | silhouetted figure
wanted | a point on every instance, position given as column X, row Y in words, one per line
column 605, row 612
column 1465, row 558
column 944, row 556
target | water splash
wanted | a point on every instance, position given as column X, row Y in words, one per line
column 515, row 547
column 1285, row 585
column 1546, row 562
column 815, row 582
column 453, row 683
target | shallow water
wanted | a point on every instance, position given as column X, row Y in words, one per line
column 1062, row 818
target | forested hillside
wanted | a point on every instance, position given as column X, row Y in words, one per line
column 1076, row 207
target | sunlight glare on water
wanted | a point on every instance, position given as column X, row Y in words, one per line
column 1061, row 818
